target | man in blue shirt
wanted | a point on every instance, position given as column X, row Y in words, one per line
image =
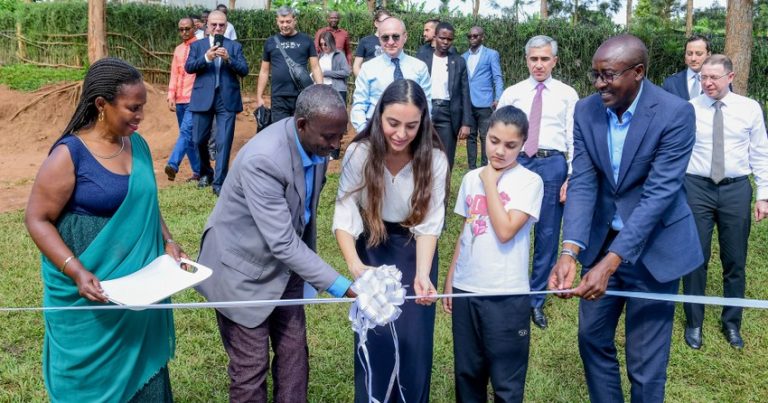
column 627, row 220
column 377, row 73
column 486, row 85
column 260, row 242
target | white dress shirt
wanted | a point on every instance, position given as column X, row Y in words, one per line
column 558, row 101
column 744, row 139
column 396, row 206
column 440, row 78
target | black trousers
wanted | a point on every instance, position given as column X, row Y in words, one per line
column 491, row 340
column 729, row 206
column 441, row 118
column 477, row 135
column 282, row 107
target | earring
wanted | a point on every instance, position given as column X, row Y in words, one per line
column 101, row 116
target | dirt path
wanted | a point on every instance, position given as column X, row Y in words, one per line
column 25, row 141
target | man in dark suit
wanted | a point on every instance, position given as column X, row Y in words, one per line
column 260, row 242
column 686, row 84
column 216, row 92
column 451, row 107
column 626, row 211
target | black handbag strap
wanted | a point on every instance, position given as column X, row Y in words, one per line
column 287, row 58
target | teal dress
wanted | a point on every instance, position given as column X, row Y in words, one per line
column 112, row 224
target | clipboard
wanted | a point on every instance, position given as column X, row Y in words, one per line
column 155, row 282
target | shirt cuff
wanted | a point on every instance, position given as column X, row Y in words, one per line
column 339, row 287
column 577, row 243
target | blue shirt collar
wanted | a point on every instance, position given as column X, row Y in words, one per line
column 307, row 160
column 399, row 55
column 627, row 116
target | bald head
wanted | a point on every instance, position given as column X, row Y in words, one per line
column 628, row 49
column 618, row 68
column 321, row 119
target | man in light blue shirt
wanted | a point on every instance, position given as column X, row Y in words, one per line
column 377, row 73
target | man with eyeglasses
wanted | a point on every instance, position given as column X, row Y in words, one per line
column 369, row 46
column 299, row 47
column 549, row 105
column 377, row 73
column 486, row 84
column 179, row 93
column 627, row 220
column 686, row 83
column 451, row 108
column 731, row 144
column 218, row 68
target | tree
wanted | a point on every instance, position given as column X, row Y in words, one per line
column 629, row 14
column 543, row 10
column 689, row 18
column 738, row 41
column 97, row 30
column 475, row 8
column 657, row 14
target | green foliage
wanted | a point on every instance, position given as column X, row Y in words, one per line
column 659, row 13
column 25, row 77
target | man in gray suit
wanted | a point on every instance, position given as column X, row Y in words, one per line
column 260, row 243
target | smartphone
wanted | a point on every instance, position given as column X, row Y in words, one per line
column 218, row 40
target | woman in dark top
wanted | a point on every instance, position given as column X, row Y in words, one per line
column 93, row 213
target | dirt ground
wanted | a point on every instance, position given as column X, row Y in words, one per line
column 25, row 142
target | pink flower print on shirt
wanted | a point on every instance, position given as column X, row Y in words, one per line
column 477, row 205
column 479, row 226
column 504, row 198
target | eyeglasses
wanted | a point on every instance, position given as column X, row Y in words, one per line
column 213, row 24
column 185, row 29
column 473, row 36
column 712, row 78
column 608, row 77
column 323, row 44
column 386, row 38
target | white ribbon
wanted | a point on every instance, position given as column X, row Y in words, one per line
column 379, row 296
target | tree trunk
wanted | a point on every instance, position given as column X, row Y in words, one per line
column 475, row 8
column 371, row 5
column 269, row 5
column 689, row 18
column 97, row 30
column 575, row 19
column 231, row 5
column 738, row 41
column 629, row 14
column 543, row 10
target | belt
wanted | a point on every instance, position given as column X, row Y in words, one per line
column 542, row 153
column 441, row 102
column 725, row 181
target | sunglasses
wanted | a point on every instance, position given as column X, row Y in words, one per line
column 473, row 36
column 185, row 29
column 386, row 38
column 213, row 24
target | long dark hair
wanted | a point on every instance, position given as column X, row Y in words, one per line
column 421, row 149
column 105, row 79
column 327, row 36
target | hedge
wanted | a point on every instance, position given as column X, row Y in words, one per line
column 145, row 35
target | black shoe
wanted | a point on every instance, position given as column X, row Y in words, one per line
column 204, row 181
column 216, row 191
column 734, row 337
column 693, row 337
column 538, row 318
column 171, row 172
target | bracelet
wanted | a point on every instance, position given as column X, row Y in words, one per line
column 170, row 240
column 568, row 252
column 66, row 262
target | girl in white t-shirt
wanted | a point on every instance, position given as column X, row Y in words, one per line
column 500, row 202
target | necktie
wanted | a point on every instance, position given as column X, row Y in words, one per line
column 718, row 148
column 398, row 72
column 534, row 123
column 695, row 89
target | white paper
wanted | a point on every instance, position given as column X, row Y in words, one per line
column 155, row 282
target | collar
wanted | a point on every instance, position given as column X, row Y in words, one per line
column 689, row 74
column 724, row 100
column 389, row 58
column 630, row 111
column 307, row 160
column 478, row 51
column 533, row 83
column 190, row 40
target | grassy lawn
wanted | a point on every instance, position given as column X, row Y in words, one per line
column 25, row 77
column 716, row 373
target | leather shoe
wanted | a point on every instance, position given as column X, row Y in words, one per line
column 171, row 172
column 538, row 317
column 204, row 181
column 693, row 337
column 216, row 191
column 734, row 337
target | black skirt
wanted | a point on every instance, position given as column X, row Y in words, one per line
column 415, row 326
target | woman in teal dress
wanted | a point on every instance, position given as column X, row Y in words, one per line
column 94, row 215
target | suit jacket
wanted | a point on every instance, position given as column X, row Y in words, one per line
column 205, row 81
column 486, row 84
column 458, row 88
column 256, row 235
column 677, row 84
column 659, row 230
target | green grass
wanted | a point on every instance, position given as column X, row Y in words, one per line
column 26, row 77
column 716, row 373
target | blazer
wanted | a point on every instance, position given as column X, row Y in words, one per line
column 205, row 81
column 677, row 84
column 659, row 229
column 256, row 235
column 458, row 88
column 486, row 84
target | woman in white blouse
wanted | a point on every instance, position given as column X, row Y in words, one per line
column 390, row 210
